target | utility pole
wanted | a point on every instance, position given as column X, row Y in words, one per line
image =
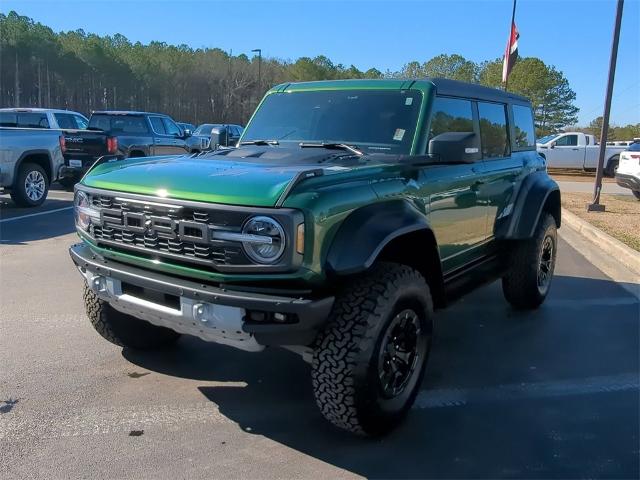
column 595, row 206
column 259, row 51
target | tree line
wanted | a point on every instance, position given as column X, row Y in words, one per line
column 84, row 72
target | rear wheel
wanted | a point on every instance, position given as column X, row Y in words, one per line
column 636, row 193
column 369, row 361
column 31, row 185
column 124, row 330
column 532, row 264
column 612, row 166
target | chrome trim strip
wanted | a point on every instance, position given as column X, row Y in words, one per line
column 240, row 237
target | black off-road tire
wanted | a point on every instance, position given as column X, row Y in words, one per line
column 124, row 330
column 612, row 166
column 19, row 193
column 345, row 374
column 636, row 193
column 521, row 285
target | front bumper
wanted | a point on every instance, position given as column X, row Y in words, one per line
column 628, row 181
column 209, row 312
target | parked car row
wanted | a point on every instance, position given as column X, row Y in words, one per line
column 40, row 146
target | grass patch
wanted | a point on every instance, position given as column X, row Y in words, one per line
column 621, row 219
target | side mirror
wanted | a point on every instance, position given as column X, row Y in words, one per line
column 187, row 133
column 455, row 147
column 219, row 137
column 553, row 145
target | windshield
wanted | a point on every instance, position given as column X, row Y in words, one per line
column 547, row 139
column 373, row 120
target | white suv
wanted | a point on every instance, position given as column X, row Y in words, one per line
column 628, row 173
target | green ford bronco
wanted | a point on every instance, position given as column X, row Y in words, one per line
column 349, row 212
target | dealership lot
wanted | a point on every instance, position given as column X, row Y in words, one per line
column 548, row 393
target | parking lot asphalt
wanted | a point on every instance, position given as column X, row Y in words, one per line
column 550, row 393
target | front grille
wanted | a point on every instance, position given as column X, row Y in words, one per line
column 155, row 229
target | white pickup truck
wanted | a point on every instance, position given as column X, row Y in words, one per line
column 577, row 150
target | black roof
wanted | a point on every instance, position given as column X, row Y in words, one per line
column 455, row 88
column 125, row 112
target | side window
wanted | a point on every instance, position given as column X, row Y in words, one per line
column 523, row 127
column 567, row 141
column 8, row 119
column 80, row 122
column 451, row 115
column 33, row 120
column 65, row 120
column 171, row 127
column 493, row 130
column 157, row 125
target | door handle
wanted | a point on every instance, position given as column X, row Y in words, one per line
column 575, row 149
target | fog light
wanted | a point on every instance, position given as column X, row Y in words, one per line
column 280, row 317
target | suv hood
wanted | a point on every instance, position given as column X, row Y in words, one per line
column 251, row 176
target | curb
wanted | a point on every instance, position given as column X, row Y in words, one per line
column 605, row 242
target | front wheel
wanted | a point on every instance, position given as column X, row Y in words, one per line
column 368, row 364
column 532, row 263
column 124, row 330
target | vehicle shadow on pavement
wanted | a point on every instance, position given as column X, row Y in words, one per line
column 52, row 223
column 506, row 393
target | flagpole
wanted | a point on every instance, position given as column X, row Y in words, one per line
column 513, row 19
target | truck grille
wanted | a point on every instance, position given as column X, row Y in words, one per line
column 172, row 231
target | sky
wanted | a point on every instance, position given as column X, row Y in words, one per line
column 573, row 35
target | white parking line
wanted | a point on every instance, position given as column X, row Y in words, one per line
column 21, row 217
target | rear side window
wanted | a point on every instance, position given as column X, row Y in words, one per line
column 81, row 122
column 523, row 127
column 33, row 120
column 157, row 125
column 493, row 130
column 132, row 124
column 451, row 115
column 567, row 141
column 8, row 119
column 65, row 120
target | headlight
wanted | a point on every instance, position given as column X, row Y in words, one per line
column 269, row 242
column 83, row 212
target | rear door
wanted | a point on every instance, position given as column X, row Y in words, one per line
column 179, row 143
column 502, row 166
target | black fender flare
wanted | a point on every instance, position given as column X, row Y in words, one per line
column 28, row 153
column 537, row 191
column 367, row 230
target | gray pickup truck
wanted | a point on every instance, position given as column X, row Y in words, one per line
column 30, row 160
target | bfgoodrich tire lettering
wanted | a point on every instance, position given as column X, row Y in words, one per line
column 532, row 264
column 345, row 368
column 124, row 330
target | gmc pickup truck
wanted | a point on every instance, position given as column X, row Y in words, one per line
column 30, row 159
column 577, row 150
column 122, row 134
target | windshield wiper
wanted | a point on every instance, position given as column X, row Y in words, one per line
column 338, row 146
column 260, row 142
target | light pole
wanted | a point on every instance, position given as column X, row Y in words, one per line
column 259, row 51
column 595, row 205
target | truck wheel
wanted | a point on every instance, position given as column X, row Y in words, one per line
column 369, row 361
column 636, row 193
column 612, row 166
column 124, row 330
column 532, row 263
column 31, row 186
